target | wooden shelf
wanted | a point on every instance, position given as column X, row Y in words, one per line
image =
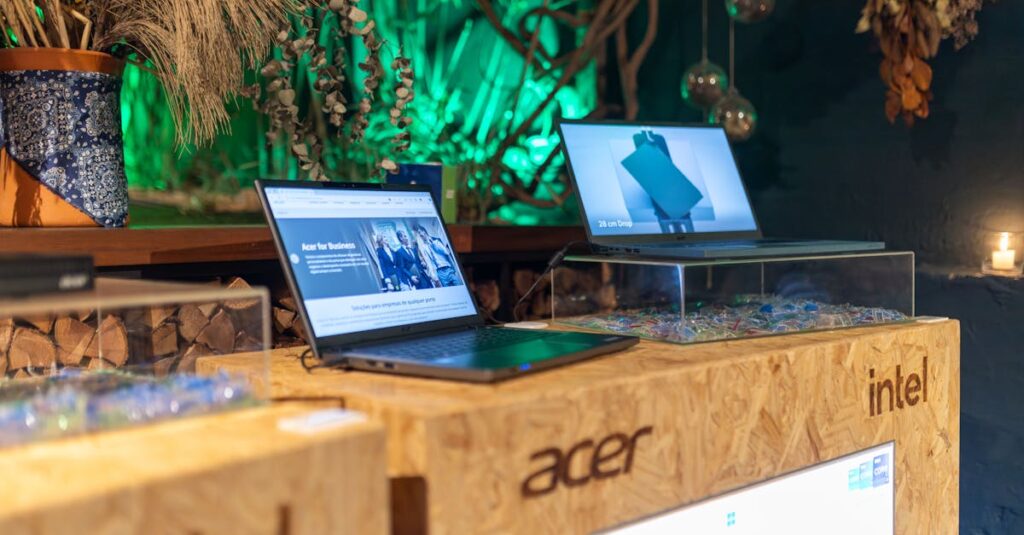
column 186, row 245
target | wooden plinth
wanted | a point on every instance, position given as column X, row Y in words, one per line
column 608, row 440
column 233, row 473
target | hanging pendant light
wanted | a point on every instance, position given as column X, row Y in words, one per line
column 704, row 83
column 749, row 10
column 735, row 113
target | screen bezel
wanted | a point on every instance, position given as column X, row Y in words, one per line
column 360, row 337
column 763, row 482
column 632, row 239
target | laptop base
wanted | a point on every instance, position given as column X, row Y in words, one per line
column 482, row 355
column 742, row 249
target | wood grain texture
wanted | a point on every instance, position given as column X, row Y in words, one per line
column 225, row 243
column 723, row 415
column 233, row 473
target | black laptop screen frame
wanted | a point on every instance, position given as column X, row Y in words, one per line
column 361, row 337
column 636, row 239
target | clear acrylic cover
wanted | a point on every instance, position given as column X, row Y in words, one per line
column 700, row 301
column 123, row 354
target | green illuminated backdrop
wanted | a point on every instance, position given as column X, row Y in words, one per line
column 472, row 90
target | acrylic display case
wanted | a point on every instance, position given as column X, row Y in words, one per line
column 705, row 300
column 122, row 354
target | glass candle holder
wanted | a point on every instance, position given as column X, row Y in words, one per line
column 1004, row 254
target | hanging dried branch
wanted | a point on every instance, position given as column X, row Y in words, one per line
column 306, row 142
column 602, row 20
column 629, row 64
column 909, row 32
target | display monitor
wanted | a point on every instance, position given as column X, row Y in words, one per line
column 636, row 180
column 369, row 260
column 851, row 495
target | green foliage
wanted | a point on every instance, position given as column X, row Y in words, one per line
column 471, row 92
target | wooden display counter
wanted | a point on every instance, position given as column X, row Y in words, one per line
column 608, row 440
column 231, row 473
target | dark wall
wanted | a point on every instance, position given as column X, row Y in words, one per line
column 990, row 310
column 825, row 163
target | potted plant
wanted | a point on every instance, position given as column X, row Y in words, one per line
column 61, row 152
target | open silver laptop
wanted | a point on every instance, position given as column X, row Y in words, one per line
column 379, row 287
column 669, row 190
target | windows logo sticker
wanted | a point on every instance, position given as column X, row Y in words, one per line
column 880, row 472
column 730, row 519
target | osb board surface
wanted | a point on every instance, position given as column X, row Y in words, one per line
column 227, row 473
column 722, row 415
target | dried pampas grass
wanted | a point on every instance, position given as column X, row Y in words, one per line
column 198, row 49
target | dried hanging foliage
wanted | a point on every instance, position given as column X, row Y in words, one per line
column 909, row 32
column 279, row 100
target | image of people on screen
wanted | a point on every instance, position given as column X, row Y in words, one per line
column 411, row 254
column 439, row 256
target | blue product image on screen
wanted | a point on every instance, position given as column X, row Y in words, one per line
column 630, row 177
column 673, row 194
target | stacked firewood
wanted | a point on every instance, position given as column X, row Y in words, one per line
column 289, row 330
column 170, row 338
column 591, row 290
column 166, row 338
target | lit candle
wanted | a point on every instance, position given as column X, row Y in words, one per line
column 1004, row 258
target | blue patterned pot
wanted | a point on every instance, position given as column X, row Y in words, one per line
column 61, row 149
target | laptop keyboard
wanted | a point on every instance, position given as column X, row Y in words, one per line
column 456, row 344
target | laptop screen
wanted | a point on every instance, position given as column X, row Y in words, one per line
column 852, row 495
column 639, row 180
column 368, row 260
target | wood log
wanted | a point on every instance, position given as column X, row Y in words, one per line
column 248, row 321
column 219, row 335
column 111, row 343
column 487, row 295
column 299, row 330
column 187, row 364
column 522, row 279
column 73, row 339
column 164, row 340
column 157, row 315
column 208, row 309
column 43, row 323
column 283, row 319
column 83, row 315
column 6, row 333
column 31, row 348
column 164, row 366
column 238, row 283
column 288, row 303
column 100, row 364
column 191, row 322
column 246, row 343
